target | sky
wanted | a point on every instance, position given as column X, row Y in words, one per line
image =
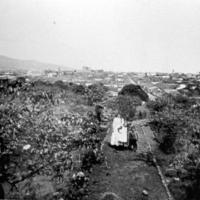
column 118, row 35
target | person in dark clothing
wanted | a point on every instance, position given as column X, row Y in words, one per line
column 133, row 138
column 98, row 112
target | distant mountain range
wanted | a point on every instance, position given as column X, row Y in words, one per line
column 7, row 63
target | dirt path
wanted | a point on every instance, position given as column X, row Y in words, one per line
column 125, row 173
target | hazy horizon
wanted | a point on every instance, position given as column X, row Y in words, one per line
column 118, row 35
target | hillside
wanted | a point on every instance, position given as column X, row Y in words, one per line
column 7, row 63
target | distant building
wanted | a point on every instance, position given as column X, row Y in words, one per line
column 161, row 74
column 98, row 79
column 171, row 91
column 52, row 74
column 86, row 68
column 198, row 76
column 119, row 79
column 140, row 74
column 34, row 73
column 113, row 93
column 120, row 75
column 87, row 84
column 181, row 86
column 100, row 70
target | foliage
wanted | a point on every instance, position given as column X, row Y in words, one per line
column 134, row 90
column 78, row 89
column 183, row 101
column 158, row 105
column 96, row 92
column 34, row 140
column 126, row 107
column 78, row 187
column 167, row 131
column 111, row 103
column 61, row 84
column 177, row 128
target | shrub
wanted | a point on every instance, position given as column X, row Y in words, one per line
column 166, row 136
column 157, row 105
column 96, row 92
column 78, row 89
column 61, row 85
column 183, row 101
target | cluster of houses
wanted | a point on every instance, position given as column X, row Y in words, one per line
column 114, row 81
column 176, row 83
column 155, row 84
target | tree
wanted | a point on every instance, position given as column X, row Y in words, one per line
column 126, row 107
column 134, row 90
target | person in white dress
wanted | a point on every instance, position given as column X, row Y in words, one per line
column 119, row 131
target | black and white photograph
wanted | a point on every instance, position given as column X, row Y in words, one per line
column 99, row 99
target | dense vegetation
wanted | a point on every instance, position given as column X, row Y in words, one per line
column 175, row 121
column 48, row 142
column 50, row 137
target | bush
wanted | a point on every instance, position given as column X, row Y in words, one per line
column 78, row 89
column 183, row 101
column 96, row 92
column 157, row 106
column 166, row 136
column 61, row 85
